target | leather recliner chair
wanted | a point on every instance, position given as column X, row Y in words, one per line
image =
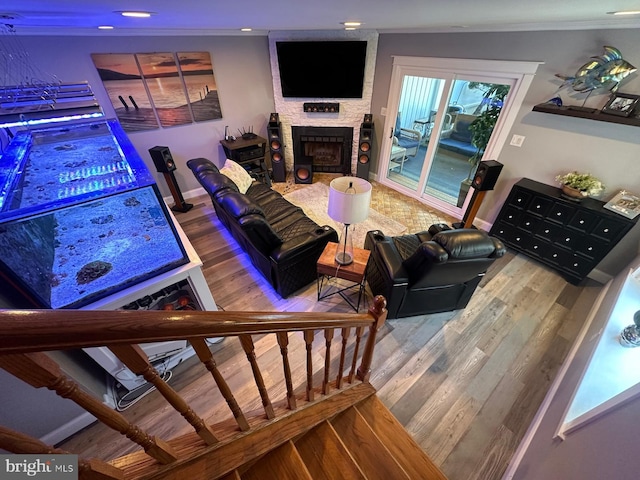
column 429, row 272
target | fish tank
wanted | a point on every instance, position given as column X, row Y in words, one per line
column 81, row 217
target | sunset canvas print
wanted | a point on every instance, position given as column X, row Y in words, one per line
column 199, row 79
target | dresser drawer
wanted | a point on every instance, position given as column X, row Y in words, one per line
column 561, row 212
column 540, row 205
column 583, row 220
column 519, row 198
column 529, row 222
column 592, row 247
column 608, row 229
column 511, row 215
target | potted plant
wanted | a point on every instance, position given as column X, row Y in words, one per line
column 580, row 185
column 487, row 113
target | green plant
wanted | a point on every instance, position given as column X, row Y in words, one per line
column 585, row 182
column 487, row 116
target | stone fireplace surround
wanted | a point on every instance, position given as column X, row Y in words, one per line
column 352, row 110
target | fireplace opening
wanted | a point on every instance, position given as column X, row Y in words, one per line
column 327, row 149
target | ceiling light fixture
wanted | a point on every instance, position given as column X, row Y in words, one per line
column 625, row 12
column 246, row 29
column 350, row 28
column 351, row 24
column 136, row 14
column 105, row 27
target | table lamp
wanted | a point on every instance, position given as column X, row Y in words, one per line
column 349, row 199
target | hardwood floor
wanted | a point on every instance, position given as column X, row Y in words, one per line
column 465, row 384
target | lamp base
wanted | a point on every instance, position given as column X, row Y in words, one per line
column 344, row 258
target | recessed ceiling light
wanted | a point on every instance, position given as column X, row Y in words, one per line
column 625, row 12
column 246, row 29
column 105, row 27
column 351, row 24
column 136, row 14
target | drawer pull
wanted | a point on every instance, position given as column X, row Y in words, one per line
column 606, row 230
column 519, row 200
column 589, row 248
column 555, row 255
column 568, row 239
column 527, row 223
column 501, row 232
column 546, row 230
column 510, row 217
column 538, row 206
column 575, row 264
column 517, row 239
column 581, row 222
column 535, row 247
column 559, row 214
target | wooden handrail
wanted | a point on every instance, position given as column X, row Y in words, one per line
column 23, row 331
column 26, row 334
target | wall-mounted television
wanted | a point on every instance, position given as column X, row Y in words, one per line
column 322, row 69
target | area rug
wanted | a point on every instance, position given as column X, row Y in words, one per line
column 314, row 201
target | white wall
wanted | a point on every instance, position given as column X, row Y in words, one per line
column 243, row 76
column 553, row 144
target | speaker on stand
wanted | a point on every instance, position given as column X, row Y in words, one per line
column 365, row 147
column 276, row 149
column 164, row 163
column 484, row 180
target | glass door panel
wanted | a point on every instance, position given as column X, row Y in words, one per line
column 417, row 109
column 469, row 117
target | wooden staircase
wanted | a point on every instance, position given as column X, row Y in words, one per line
column 329, row 427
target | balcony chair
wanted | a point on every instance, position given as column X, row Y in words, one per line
column 431, row 271
column 407, row 138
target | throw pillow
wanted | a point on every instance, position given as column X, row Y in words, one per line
column 237, row 174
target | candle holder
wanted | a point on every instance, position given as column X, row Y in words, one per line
column 630, row 336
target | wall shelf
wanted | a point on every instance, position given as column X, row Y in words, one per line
column 578, row 113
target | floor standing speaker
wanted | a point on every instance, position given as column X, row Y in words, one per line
column 365, row 148
column 276, row 148
column 486, row 175
column 303, row 173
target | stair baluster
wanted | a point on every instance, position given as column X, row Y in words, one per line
column 308, row 340
column 354, row 362
column 205, row 356
column 134, row 358
column 249, row 349
column 39, row 370
column 343, row 353
column 283, row 341
column 328, row 337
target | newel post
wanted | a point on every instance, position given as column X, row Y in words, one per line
column 379, row 313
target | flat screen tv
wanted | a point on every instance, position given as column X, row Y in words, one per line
column 322, row 69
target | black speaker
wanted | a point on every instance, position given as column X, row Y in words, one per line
column 276, row 148
column 368, row 120
column 365, row 151
column 273, row 119
column 303, row 173
column 486, row 175
column 162, row 159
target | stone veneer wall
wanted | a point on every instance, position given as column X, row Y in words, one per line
column 352, row 110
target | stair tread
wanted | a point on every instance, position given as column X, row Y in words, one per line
column 326, row 456
column 400, row 443
column 283, row 463
column 365, row 447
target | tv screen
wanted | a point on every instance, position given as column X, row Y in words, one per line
column 322, row 69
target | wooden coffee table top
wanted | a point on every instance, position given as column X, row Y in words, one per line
column 354, row 272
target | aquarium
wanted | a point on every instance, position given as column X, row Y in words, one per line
column 80, row 216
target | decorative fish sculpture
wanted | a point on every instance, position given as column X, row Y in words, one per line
column 605, row 71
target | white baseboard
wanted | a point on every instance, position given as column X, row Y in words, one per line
column 196, row 192
column 65, row 431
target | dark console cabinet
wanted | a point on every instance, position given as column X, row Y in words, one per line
column 571, row 237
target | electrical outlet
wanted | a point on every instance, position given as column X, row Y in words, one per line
column 517, row 140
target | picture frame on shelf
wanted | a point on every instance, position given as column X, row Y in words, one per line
column 625, row 203
column 621, row 104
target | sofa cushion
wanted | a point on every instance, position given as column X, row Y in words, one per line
column 215, row 183
column 461, row 131
column 237, row 174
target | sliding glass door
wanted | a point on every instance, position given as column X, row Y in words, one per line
column 441, row 123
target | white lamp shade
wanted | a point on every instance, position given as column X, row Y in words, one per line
column 349, row 199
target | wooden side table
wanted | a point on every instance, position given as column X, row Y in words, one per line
column 354, row 272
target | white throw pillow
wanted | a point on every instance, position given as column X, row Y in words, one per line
column 237, row 174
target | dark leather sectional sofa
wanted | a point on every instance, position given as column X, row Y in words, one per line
column 281, row 241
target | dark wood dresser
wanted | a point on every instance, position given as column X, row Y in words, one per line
column 570, row 237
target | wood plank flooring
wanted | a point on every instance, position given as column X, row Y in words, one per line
column 465, row 384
